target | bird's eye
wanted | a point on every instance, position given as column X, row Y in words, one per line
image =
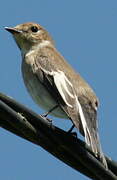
column 34, row 29
column 96, row 103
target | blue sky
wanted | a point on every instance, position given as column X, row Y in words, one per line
column 85, row 33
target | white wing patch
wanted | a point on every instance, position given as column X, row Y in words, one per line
column 84, row 124
column 63, row 85
column 66, row 91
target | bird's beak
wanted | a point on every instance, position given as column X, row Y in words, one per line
column 12, row 30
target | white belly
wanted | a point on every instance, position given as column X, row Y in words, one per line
column 39, row 94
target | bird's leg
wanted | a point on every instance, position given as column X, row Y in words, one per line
column 46, row 114
column 70, row 131
column 52, row 109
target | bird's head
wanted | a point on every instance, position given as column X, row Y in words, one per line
column 29, row 35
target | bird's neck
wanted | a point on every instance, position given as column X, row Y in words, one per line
column 27, row 52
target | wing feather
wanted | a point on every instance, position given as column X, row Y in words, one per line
column 62, row 90
column 57, row 82
column 64, row 87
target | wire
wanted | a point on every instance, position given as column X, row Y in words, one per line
column 23, row 122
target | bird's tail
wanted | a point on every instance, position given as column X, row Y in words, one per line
column 90, row 131
column 92, row 139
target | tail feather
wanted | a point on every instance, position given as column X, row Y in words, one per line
column 91, row 134
column 92, row 139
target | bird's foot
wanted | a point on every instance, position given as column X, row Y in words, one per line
column 45, row 117
column 70, row 130
column 72, row 133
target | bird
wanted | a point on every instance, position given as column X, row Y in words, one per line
column 55, row 86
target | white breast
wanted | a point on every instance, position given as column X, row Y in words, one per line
column 38, row 92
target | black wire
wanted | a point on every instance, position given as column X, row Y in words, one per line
column 25, row 123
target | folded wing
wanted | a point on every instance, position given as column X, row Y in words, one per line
column 64, row 94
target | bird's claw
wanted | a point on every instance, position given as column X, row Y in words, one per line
column 46, row 118
column 72, row 133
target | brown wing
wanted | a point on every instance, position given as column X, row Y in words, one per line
column 63, row 92
column 60, row 88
